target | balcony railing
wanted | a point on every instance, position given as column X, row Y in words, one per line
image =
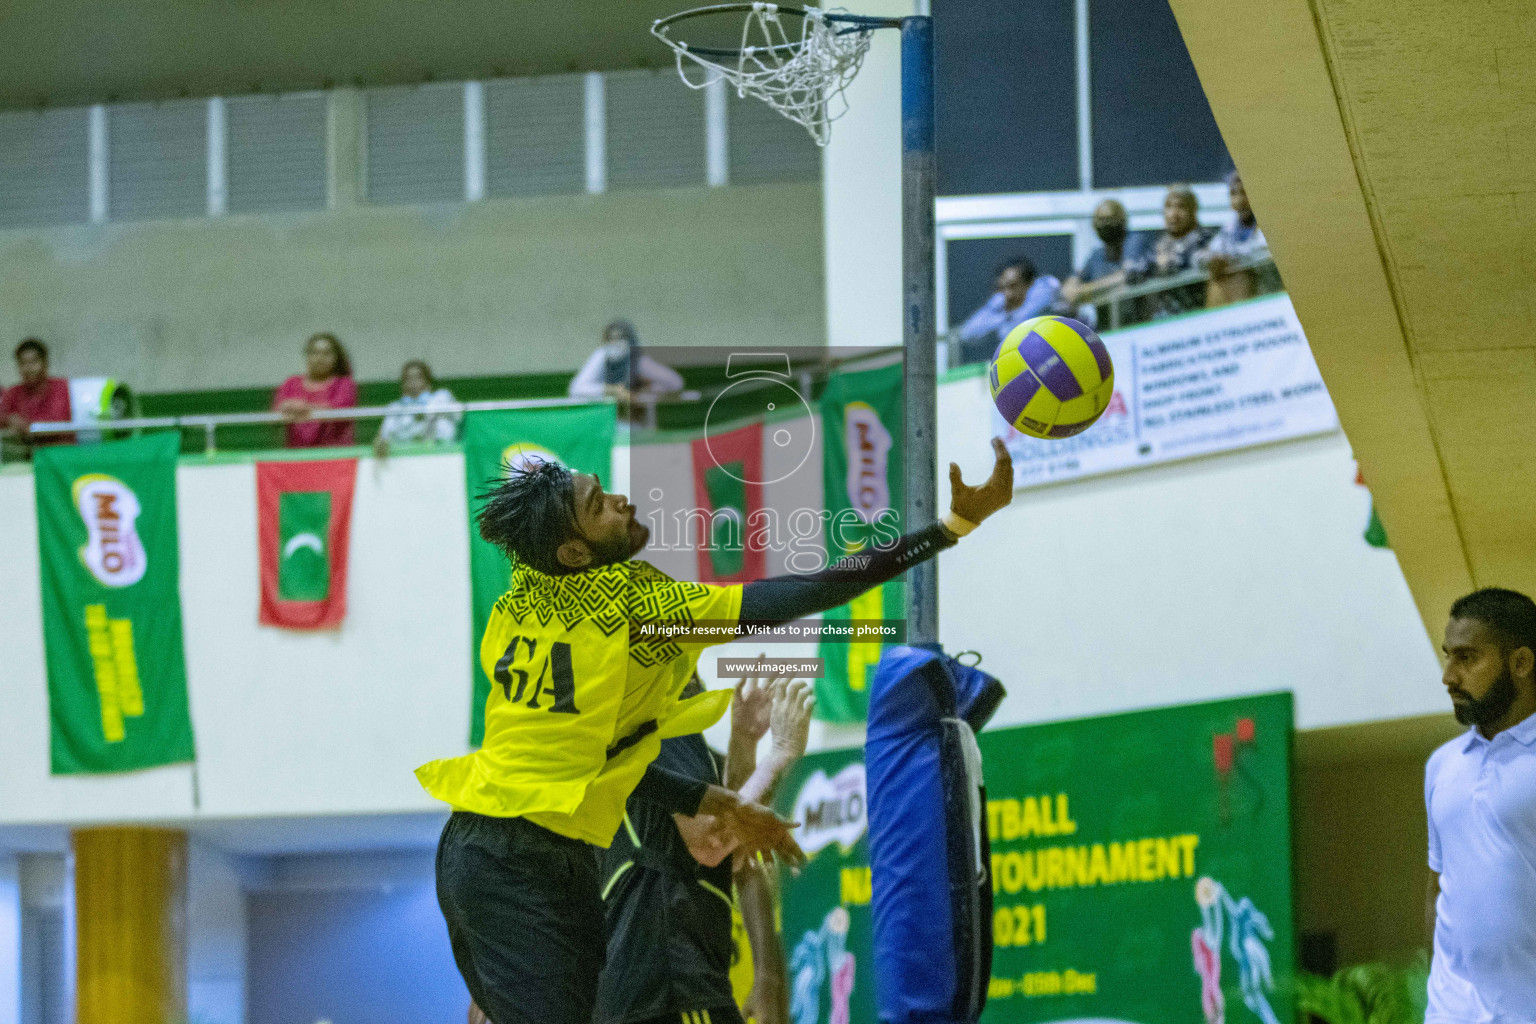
column 1118, row 302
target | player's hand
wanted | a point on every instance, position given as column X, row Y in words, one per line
column 977, row 503
column 793, row 702
column 294, row 409
column 753, row 826
column 752, row 708
column 705, row 838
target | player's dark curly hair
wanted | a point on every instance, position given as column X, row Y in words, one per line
column 1508, row 613
column 530, row 513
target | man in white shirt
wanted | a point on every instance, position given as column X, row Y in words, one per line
column 1480, row 793
column 1021, row 295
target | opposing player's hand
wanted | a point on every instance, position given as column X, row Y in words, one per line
column 753, row 826
column 706, row 839
column 752, row 708
column 976, row 503
column 793, row 702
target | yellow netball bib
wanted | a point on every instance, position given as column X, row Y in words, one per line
column 578, row 708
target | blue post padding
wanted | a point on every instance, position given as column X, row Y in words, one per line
column 917, row 85
column 914, row 964
column 915, row 822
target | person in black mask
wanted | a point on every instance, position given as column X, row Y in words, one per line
column 1104, row 268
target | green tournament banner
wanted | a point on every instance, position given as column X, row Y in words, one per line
column 861, row 415
column 1140, row 866
column 117, row 678
column 577, row 436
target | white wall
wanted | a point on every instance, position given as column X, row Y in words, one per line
column 315, row 723
column 861, row 196
column 494, row 287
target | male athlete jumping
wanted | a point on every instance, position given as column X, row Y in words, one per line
column 584, row 693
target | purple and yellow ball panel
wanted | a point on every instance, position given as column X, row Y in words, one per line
column 1052, row 377
column 1037, row 416
column 1061, row 430
column 1005, row 368
column 1046, row 362
column 1085, row 409
column 1014, row 397
column 1074, row 343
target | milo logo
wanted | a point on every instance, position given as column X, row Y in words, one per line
column 113, row 552
column 517, row 456
column 832, row 809
column 868, row 444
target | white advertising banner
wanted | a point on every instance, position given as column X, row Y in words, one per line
column 1227, row 378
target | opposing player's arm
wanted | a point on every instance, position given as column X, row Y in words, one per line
column 755, row 891
column 786, row 598
column 742, row 824
column 751, row 717
column 793, row 703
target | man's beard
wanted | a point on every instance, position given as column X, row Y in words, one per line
column 1491, row 706
column 621, row 548
column 611, row 551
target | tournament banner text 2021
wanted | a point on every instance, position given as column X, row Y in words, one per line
column 1140, row 870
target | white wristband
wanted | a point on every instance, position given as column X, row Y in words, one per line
column 957, row 525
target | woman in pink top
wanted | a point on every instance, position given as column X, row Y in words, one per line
column 326, row 384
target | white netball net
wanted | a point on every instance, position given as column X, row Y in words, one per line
column 800, row 72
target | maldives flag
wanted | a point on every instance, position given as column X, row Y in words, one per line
column 304, row 521
column 727, row 489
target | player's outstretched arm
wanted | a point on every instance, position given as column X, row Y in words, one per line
column 786, row 598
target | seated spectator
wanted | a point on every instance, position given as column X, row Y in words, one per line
column 1239, row 242
column 39, row 398
column 325, row 384
column 1173, row 252
column 618, row 369
column 412, row 419
column 1020, row 294
column 1104, row 268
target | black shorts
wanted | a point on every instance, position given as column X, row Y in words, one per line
column 719, row 1015
column 525, row 916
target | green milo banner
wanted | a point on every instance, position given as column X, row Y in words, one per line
column 117, row 677
column 1140, row 867
column 861, row 415
column 578, row 436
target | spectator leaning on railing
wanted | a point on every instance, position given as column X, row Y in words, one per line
column 412, row 419
column 39, row 398
column 1021, row 294
column 619, row 369
column 1240, row 241
column 325, row 384
column 1173, row 252
column 1104, row 268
